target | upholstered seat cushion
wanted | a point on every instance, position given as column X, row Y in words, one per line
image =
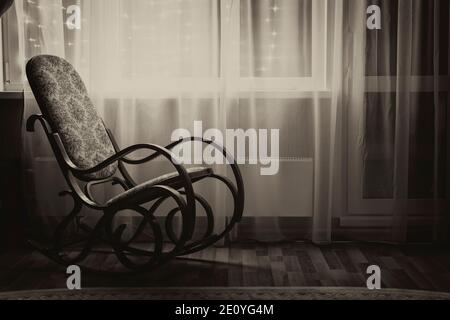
column 141, row 193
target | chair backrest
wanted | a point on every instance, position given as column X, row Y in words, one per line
column 65, row 104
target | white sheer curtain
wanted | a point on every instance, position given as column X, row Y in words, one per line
column 342, row 96
column 398, row 99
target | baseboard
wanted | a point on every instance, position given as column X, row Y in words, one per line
column 382, row 222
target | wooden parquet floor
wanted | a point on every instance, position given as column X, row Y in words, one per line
column 252, row 265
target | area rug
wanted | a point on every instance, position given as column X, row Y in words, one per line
column 226, row 294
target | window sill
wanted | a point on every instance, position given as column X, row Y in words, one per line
column 11, row 95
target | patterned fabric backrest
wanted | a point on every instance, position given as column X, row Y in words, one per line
column 64, row 102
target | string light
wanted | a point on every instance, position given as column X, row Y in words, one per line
column 168, row 57
column 275, row 8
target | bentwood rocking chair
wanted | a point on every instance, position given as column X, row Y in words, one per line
column 89, row 156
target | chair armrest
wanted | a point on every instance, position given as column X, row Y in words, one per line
column 31, row 122
column 122, row 154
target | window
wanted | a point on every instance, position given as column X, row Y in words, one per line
column 372, row 178
column 254, row 45
column 264, row 52
column 283, row 54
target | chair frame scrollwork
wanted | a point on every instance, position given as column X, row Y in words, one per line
column 178, row 188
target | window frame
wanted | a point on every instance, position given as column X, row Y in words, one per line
column 317, row 82
column 357, row 204
column 8, row 54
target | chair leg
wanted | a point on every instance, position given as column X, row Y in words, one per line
column 124, row 251
column 209, row 216
column 58, row 244
column 57, row 255
column 61, row 228
column 104, row 231
column 210, row 239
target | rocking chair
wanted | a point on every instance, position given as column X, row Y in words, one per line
column 88, row 156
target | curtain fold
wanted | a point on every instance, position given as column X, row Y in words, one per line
column 329, row 147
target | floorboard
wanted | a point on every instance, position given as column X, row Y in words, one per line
column 252, row 265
